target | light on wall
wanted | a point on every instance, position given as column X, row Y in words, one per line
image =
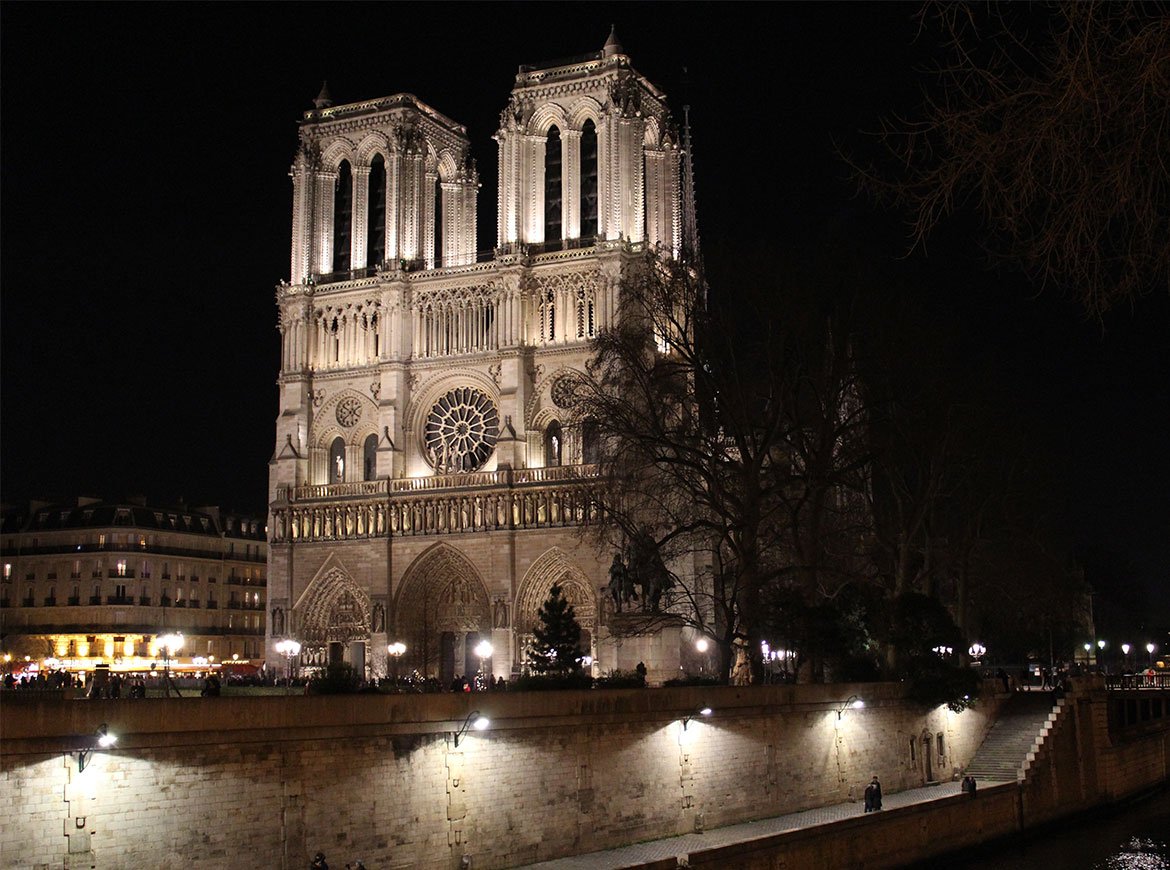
column 702, row 711
column 853, row 702
column 104, row 741
column 474, row 720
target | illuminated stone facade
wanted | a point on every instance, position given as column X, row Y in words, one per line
column 426, row 484
column 93, row 582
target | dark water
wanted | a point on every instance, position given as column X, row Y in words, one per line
column 1130, row 836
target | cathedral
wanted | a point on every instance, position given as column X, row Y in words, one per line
column 428, row 486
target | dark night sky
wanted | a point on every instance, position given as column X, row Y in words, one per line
column 146, row 210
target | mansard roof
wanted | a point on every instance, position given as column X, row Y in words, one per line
column 84, row 513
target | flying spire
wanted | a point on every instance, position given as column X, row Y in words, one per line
column 324, row 100
column 612, row 46
column 691, row 253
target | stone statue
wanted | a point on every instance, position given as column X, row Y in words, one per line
column 277, row 621
column 379, row 619
column 500, row 614
column 648, row 570
column 621, row 584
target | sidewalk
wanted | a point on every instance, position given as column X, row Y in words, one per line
column 669, row 847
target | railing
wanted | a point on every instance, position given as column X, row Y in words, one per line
column 119, row 599
column 504, row 477
column 50, row 602
column 73, row 600
column 144, row 601
column 1157, row 680
column 95, row 599
column 127, row 572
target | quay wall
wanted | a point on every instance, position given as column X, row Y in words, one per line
column 1089, row 758
column 268, row 781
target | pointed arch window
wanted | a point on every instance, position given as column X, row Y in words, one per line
column 548, row 317
column 376, row 213
column 586, row 319
column 554, row 444
column 438, row 249
column 552, row 186
column 588, row 181
column 590, row 442
column 337, row 461
column 370, row 458
column 342, row 217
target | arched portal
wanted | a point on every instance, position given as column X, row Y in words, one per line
column 442, row 610
column 333, row 616
column 554, row 567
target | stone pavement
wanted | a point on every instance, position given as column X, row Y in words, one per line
column 669, row 847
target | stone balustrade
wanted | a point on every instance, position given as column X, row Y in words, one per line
column 448, row 504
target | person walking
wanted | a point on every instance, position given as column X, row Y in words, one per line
column 877, row 793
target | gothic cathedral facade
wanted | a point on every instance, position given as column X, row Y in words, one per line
column 427, row 487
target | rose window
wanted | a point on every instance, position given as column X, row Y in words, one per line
column 564, row 390
column 349, row 411
column 461, row 430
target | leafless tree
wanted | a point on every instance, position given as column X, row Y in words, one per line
column 722, row 441
column 1051, row 121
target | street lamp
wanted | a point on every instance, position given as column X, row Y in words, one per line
column 702, row 711
column 396, row 650
column 288, row 648
column 977, row 651
column 852, row 702
column 483, row 650
column 171, row 644
column 473, row 720
column 104, row 741
column 1150, row 647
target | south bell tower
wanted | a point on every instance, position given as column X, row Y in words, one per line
column 427, row 482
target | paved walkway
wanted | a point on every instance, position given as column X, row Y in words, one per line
column 669, row 847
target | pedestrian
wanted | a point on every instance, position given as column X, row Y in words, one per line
column 1003, row 678
column 869, row 798
column 319, row 862
column 877, row 793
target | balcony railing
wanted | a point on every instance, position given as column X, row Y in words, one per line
column 28, row 602
column 125, row 572
column 74, row 600
column 184, row 552
column 119, row 599
column 50, row 601
column 95, row 599
column 144, row 601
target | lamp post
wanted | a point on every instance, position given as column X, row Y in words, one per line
column 171, row 644
column 483, row 650
column 1150, row 647
column 977, row 651
column 396, row 650
column 288, row 648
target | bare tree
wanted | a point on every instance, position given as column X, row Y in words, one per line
column 1051, row 121
column 724, row 434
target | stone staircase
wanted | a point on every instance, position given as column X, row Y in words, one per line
column 1023, row 723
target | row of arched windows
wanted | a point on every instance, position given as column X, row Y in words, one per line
column 337, row 459
column 375, row 215
column 554, row 443
column 553, row 177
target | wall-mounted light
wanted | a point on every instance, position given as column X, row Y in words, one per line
column 702, row 711
column 104, row 741
column 853, row 702
column 474, row 720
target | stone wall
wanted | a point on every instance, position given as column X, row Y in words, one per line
column 265, row 782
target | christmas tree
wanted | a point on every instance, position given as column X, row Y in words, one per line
column 557, row 645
